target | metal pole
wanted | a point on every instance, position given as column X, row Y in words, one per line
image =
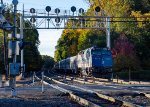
column 5, row 56
column 108, row 37
column 48, row 20
column 22, row 51
column 13, row 91
column 108, row 32
column 15, row 30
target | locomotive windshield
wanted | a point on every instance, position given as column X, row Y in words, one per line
column 101, row 52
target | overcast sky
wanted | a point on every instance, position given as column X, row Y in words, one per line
column 48, row 38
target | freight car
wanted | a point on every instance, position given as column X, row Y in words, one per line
column 86, row 62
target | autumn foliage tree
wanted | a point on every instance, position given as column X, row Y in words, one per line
column 67, row 44
column 126, row 57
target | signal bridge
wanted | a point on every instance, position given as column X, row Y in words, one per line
column 65, row 19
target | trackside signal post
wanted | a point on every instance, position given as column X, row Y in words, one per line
column 14, row 67
column 4, row 24
column 22, row 50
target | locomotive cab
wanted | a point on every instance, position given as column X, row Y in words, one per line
column 102, row 62
column 101, row 57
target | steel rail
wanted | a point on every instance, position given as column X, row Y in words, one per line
column 73, row 96
column 124, row 103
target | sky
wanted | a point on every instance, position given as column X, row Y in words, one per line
column 48, row 38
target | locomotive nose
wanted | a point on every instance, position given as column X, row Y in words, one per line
column 101, row 61
column 96, row 61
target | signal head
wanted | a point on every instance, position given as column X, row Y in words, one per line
column 73, row 8
column 48, row 8
column 97, row 9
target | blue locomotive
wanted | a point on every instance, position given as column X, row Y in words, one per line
column 88, row 61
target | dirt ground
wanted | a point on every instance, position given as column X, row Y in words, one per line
column 29, row 95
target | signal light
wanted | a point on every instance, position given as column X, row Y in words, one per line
column 57, row 10
column 57, row 20
column 73, row 8
column 48, row 8
column 81, row 10
column 32, row 10
column 15, row 2
column 32, row 20
column 97, row 9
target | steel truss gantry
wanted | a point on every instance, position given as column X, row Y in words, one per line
column 66, row 19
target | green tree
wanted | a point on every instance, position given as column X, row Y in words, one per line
column 67, row 44
column 91, row 38
column 33, row 59
column 48, row 62
column 141, row 5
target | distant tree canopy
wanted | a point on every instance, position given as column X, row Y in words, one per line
column 33, row 59
column 137, row 30
column 48, row 62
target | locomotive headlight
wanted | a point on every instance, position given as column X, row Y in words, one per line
column 102, row 60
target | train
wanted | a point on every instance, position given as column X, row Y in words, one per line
column 93, row 60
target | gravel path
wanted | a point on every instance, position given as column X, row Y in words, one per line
column 134, row 98
column 31, row 96
column 139, row 100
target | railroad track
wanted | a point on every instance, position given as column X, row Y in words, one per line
column 87, row 97
column 77, row 79
column 103, row 82
column 74, row 79
column 139, row 97
column 93, row 80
